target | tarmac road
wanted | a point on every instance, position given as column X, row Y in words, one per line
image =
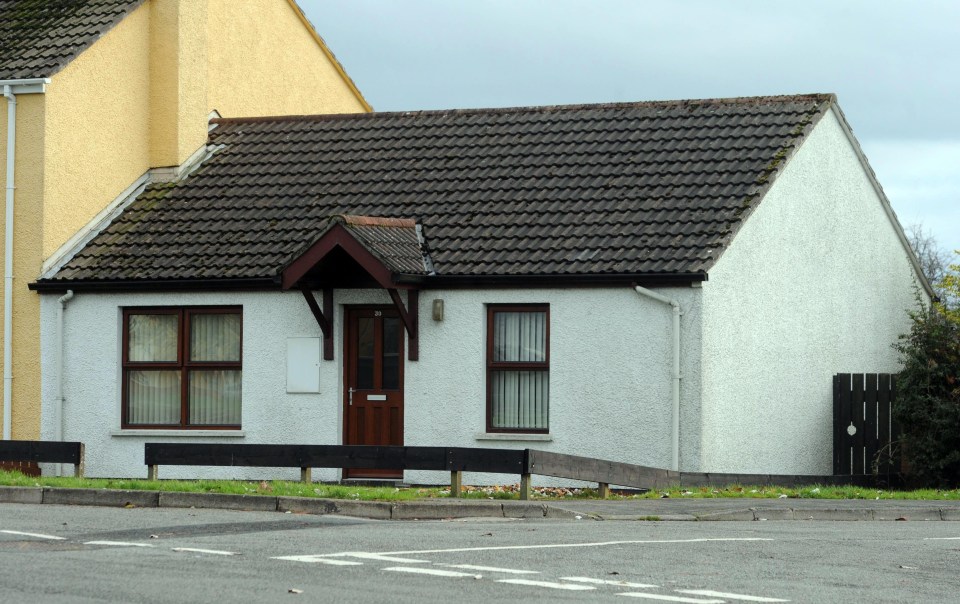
column 52, row 553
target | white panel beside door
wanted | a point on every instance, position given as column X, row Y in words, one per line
column 303, row 365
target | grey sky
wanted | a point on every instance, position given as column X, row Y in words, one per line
column 893, row 65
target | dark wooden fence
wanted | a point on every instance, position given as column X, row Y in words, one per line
column 44, row 451
column 457, row 460
column 864, row 432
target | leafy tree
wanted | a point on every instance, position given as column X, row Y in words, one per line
column 932, row 256
column 927, row 406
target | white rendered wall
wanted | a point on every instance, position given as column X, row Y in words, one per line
column 609, row 377
column 815, row 283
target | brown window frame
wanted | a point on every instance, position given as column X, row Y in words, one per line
column 492, row 365
column 183, row 362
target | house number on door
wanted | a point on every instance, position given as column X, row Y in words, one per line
column 378, row 313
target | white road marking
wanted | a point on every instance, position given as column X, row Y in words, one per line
column 493, row 569
column 430, row 571
column 549, row 584
column 669, row 598
column 319, row 560
column 37, row 535
column 608, row 582
column 552, row 546
column 925, row 538
column 729, row 596
column 379, row 557
column 118, row 543
column 203, row 551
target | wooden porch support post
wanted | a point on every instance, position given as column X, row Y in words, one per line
column 328, row 315
column 79, row 466
column 456, row 483
column 324, row 318
column 410, row 319
column 525, row 489
column 306, row 475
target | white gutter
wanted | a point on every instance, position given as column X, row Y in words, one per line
column 11, row 88
column 675, row 427
column 58, row 424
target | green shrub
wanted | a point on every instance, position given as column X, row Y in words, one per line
column 927, row 405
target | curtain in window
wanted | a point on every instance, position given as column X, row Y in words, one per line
column 519, row 399
column 520, row 337
column 214, row 397
column 153, row 338
column 153, row 397
column 214, row 337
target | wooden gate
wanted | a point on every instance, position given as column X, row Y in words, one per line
column 863, row 427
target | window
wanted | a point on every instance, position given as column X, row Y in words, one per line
column 518, row 368
column 181, row 367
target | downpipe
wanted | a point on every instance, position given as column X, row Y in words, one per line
column 675, row 373
column 58, row 421
column 8, row 266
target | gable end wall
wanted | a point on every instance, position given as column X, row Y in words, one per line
column 816, row 282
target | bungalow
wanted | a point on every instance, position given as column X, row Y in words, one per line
column 665, row 283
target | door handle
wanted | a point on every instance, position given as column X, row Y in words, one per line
column 350, row 395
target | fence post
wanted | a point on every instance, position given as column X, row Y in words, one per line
column 525, row 486
column 79, row 466
column 306, row 475
column 152, row 472
column 456, row 483
column 604, row 490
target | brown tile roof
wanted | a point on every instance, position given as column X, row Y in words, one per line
column 39, row 37
column 393, row 240
column 655, row 188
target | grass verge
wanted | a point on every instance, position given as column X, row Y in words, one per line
column 336, row 491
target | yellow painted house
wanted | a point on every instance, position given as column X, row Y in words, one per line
column 104, row 97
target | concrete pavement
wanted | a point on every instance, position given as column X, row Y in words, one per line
column 572, row 509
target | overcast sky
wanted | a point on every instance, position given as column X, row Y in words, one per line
column 895, row 66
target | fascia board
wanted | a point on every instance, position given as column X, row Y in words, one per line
column 884, row 201
column 85, row 235
column 26, row 86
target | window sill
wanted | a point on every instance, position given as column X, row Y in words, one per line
column 179, row 433
column 515, row 436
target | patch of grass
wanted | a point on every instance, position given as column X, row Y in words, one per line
column 234, row 487
column 361, row 493
column 806, row 492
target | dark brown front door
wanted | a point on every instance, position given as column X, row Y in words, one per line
column 373, row 380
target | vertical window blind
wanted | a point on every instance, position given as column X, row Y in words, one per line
column 518, row 375
column 182, row 367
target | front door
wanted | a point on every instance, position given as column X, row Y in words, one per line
column 373, row 383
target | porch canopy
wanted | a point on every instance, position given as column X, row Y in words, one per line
column 362, row 252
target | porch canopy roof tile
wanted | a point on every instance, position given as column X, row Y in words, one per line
column 568, row 192
column 359, row 251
